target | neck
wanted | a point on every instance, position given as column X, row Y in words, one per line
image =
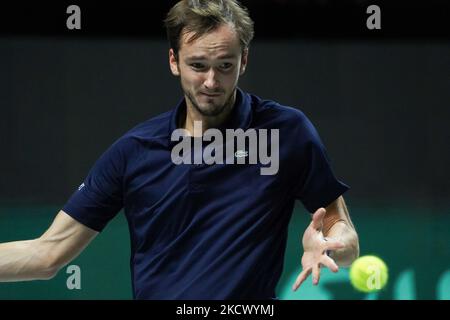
column 207, row 122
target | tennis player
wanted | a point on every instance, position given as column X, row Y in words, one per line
column 202, row 230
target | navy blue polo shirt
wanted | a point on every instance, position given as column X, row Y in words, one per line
column 207, row 231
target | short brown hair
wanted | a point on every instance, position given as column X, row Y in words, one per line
column 203, row 16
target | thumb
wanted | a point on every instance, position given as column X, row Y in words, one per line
column 317, row 218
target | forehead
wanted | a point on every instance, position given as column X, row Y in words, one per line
column 223, row 40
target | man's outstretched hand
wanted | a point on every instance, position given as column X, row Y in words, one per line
column 315, row 248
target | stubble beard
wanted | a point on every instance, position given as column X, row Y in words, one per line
column 215, row 110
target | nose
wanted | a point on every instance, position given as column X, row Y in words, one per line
column 211, row 81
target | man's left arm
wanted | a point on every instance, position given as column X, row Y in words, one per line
column 338, row 225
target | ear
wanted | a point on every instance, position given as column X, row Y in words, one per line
column 244, row 61
column 173, row 63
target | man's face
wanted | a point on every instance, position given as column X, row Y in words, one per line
column 209, row 68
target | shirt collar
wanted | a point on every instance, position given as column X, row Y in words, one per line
column 240, row 116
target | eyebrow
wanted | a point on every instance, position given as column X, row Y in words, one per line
column 223, row 57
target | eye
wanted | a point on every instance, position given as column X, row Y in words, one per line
column 226, row 66
column 197, row 66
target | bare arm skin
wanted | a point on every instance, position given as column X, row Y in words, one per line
column 42, row 258
column 338, row 225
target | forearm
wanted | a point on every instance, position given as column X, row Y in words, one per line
column 24, row 260
column 346, row 234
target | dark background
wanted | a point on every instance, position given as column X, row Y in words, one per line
column 379, row 98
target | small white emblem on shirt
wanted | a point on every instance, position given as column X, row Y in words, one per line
column 241, row 154
column 81, row 187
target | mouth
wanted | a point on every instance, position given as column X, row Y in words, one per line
column 211, row 95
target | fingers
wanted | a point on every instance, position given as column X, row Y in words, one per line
column 316, row 274
column 301, row 278
column 329, row 263
column 317, row 219
column 315, row 270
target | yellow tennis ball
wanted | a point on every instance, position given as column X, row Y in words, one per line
column 368, row 274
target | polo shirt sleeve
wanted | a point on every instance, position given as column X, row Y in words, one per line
column 317, row 186
column 100, row 197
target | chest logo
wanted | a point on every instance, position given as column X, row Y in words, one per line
column 235, row 146
column 241, row 154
